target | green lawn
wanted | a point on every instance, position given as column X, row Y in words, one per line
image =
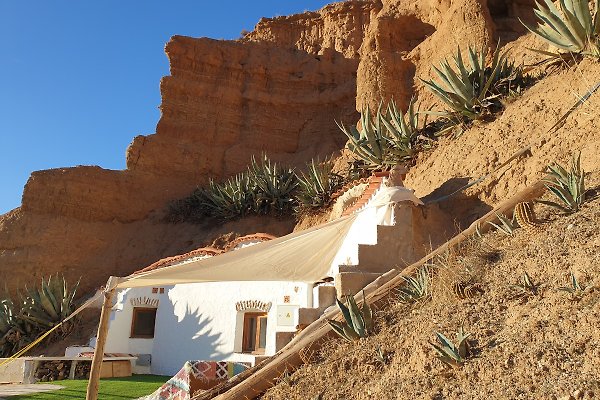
column 113, row 388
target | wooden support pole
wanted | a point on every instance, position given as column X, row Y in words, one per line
column 94, row 382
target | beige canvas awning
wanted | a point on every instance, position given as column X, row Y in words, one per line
column 304, row 256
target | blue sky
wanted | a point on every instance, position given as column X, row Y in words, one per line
column 79, row 79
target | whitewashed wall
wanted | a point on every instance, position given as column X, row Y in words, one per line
column 362, row 231
column 200, row 322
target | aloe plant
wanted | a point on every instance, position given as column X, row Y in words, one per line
column 274, row 186
column 317, row 185
column 450, row 354
column 572, row 28
column 471, row 89
column 358, row 322
column 567, row 186
column 415, row 288
column 385, row 140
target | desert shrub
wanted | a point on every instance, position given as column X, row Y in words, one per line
column 264, row 188
column 39, row 309
column 575, row 289
column 450, row 354
column 471, row 90
column 416, row 288
column 572, row 28
column 231, row 199
column 274, row 186
column 358, row 321
column 386, row 139
column 568, row 187
column 317, row 185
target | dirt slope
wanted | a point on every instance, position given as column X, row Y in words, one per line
column 545, row 346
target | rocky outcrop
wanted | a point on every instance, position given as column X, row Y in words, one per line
column 277, row 90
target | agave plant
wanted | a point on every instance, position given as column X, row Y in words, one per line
column 358, row 322
column 415, row 288
column 389, row 138
column 450, row 354
column 231, row 199
column 274, row 186
column 526, row 287
column 317, row 185
column 506, row 225
column 50, row 303
column 575, row 287
column 572, row 29
column 470, row 90
column 567, row 186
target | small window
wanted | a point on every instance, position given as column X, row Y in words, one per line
column 142, row 324
column 254, row 339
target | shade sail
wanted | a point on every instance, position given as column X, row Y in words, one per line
column 304, row 256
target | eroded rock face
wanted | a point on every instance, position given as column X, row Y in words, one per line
column 278, row 90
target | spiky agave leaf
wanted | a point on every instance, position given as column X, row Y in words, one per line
column 367, row 314
column 463, row 343
column 507, row 226
column 446, row 351
column 386, row 139
column 357, row 320
column 415, row 288
column 316, row 186
column 469, row 90
column 567, row 186
column 571, row 29
column 275, row 185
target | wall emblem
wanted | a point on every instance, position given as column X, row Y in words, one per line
column 144, row 302
column 253, row 305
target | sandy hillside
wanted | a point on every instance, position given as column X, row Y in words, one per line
column 544, row 346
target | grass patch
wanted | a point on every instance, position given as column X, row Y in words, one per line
column 130, row 387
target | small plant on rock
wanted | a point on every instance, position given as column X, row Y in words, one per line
column 450, row 354
column 567, row 186
column 416, row 288
column 358, row 322
column 572, row 28
column 574, row 289
column 526, row 287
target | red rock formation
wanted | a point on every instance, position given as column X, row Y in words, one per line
column 278, row 90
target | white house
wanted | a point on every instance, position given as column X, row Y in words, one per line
column 240, row 321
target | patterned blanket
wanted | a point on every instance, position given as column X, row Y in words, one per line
column 179, row 387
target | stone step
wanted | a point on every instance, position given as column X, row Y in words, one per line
column 324, row 297
column 350, row 283
column 307, row 316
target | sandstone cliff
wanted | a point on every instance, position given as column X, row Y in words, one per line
column 277, row 90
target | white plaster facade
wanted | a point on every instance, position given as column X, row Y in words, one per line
column 199, row 321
